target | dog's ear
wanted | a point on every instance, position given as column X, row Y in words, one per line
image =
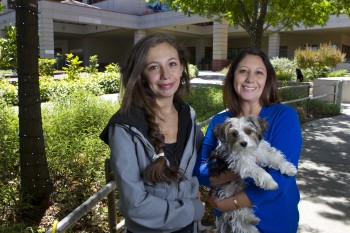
column 263, row 124
column 260, row 125
column 219, row 132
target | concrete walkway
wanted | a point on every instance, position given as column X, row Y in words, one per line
column 324, row 175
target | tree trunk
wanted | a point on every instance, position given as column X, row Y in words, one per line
column 36, row 185
column 256, row 34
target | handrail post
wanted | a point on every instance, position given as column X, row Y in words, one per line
column 339, row 92
column 308, row 100
column 111, row 199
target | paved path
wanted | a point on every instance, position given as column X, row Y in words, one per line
column 324, row 176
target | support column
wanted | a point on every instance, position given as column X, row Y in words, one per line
column 46, row 35
column 138, row 35
column 200, row 52
column 220, row 41
column 274, row 45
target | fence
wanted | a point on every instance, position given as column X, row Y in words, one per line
column 108, row 189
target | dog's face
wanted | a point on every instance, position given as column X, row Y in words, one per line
column 243, row 133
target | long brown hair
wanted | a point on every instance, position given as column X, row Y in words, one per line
column 269, row 95
column 137, row 93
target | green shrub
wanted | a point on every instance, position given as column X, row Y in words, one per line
column 55, row 89
column 46, row 67
column 338, row 73
column 206, row 101
column 284, row 67
column 109, row 81
column 310, row 74
column 193, row 71
column 74, row 151
column 8, row 93
column 73, row 66
column 93, row 65
column 317, row 60
column 9, row 163
column 8, row 48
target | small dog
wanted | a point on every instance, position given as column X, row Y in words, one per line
column 243, row 150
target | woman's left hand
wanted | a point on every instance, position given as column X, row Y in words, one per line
column 222, row 205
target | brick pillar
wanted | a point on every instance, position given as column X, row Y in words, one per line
column 220, row 40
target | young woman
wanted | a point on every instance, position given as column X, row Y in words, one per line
column 250, row 88
column 152, row 139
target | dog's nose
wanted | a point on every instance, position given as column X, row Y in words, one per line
column 243, row 144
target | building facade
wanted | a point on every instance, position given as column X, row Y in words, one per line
column 109, row 29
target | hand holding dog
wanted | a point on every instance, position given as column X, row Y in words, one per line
column 224, row 177
column 227, row 204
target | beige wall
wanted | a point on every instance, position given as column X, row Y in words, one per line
column 324, row 86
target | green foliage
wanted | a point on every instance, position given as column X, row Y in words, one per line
column 193, row 71
column 9, row 162
column 93, row 65
column 109, row 81
column 56, row 89
column 2, row 7
column 318, row 60
column 338, row 73
column 200, row 97
column 75, row 154
column 8, row 93
column 284, row 67
column 297, row 92
column 321, row 108
column 253, row 16
column 50, row 89
column 46, row 67
column 73, row 66
column 8, row 49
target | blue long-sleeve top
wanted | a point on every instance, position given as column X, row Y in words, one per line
column 277, row 209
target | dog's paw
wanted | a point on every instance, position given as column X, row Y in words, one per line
column 270, row 186
column 289, row 169
column 267, row 182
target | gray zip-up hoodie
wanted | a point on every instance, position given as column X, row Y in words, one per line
column 148, row 207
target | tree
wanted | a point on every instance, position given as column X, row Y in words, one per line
column 36, row 185
column 263, row 17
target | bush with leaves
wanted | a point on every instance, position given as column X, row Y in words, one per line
column 9, row 163
column 317, row 60
column 285, row 68
column 93, row 65
column 193, row 71
column 46, row 67
column 73, row 66
column 8, row 49
column 338, row 73
column 109, row 80
column 8, row 93
column 75, row 153
column 55, row 89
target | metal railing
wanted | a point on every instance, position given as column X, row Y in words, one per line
column 108, row 189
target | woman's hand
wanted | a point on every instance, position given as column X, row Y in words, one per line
column 223, row 178
column 228, row 204
column 222, row 205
